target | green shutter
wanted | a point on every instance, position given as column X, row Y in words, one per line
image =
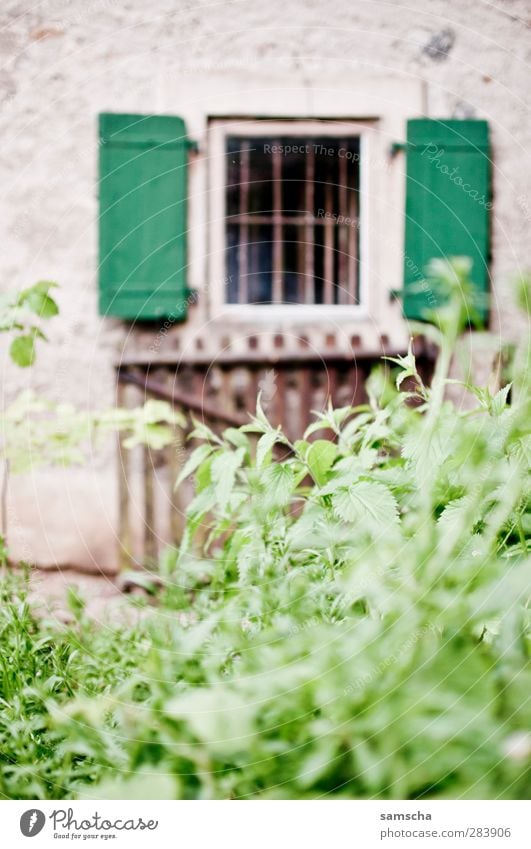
column 447, row 205
column 142, row 224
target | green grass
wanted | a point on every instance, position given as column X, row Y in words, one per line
column 44, row 663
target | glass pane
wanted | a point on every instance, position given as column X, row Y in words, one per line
column 318, row 259
column 233, row 163
column 294, row 264
column 250, row 192
column 293, row 177
column 335, row 286
column 260, row 263
column 326, row 176
column 260, row 176
column 232, row 263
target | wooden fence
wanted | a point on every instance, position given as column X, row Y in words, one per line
column 221, row 394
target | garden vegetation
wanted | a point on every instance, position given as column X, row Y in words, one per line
column 347, row 615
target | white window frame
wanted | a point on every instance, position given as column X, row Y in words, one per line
column 219, row 131
column 383, row 100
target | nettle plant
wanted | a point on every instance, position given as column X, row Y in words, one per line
column 35, row 431
column 346, row 615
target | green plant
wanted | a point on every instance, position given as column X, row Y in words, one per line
column 36, row 431
column 39, row 432
column 350, row 614
column 17, row 316
column 43, row 660
column 345, row 617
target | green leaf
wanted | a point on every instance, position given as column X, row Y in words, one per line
column 202, row 431
column 367, row 503
column 194, row 461
column 38, row 300
column 499, row 401
column 236, row 437
column 155, row 411
column 301, row 446
column 217, row 716
column 320, row 459
column 223, row 471
column 279, row 483
column 155, row 436
column 22, row 350
column 144, row 784
column 456, row 512
column 264, row 446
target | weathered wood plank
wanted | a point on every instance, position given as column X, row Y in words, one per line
column 124, row 527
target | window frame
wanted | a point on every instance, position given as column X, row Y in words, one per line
column 218, row 131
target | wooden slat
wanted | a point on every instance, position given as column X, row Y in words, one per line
column 305, row 399
column 231, row 358
column 225, row 398
column 280, row 397
column 181, row 399
column 251, row 391
column 124, row 527
column 331, row 374
column 150, row 539
column 356, row 380
column 175, row 459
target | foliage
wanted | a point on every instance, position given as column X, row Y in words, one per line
column 345, row 616
column 42, row 661
column 36, row 431
column 17, row 316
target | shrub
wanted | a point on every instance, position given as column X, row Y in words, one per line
column 345, row 616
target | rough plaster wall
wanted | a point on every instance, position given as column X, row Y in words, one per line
column 63, row 62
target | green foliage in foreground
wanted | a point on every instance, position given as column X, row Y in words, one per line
column 19, row 314
column 37, row 432
column 44, row 662
column 345, row 616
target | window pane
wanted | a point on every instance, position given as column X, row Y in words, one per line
column 317, row 258
column 336, row 282
column 232, row 263
column 294, row 264
column 293, row 179
column 326, row 176
column 260, row 177
column 260, row 263
column 233, row 164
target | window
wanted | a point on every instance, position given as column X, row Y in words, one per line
column 166, row 228
column 288, row 220
column 292, row 219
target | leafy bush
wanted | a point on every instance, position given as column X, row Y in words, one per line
column 345, row 616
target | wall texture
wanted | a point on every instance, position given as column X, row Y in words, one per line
column 63, row 62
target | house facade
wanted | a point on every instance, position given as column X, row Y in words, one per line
column 243, row 197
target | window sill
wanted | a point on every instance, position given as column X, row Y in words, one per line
column 294, row 313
